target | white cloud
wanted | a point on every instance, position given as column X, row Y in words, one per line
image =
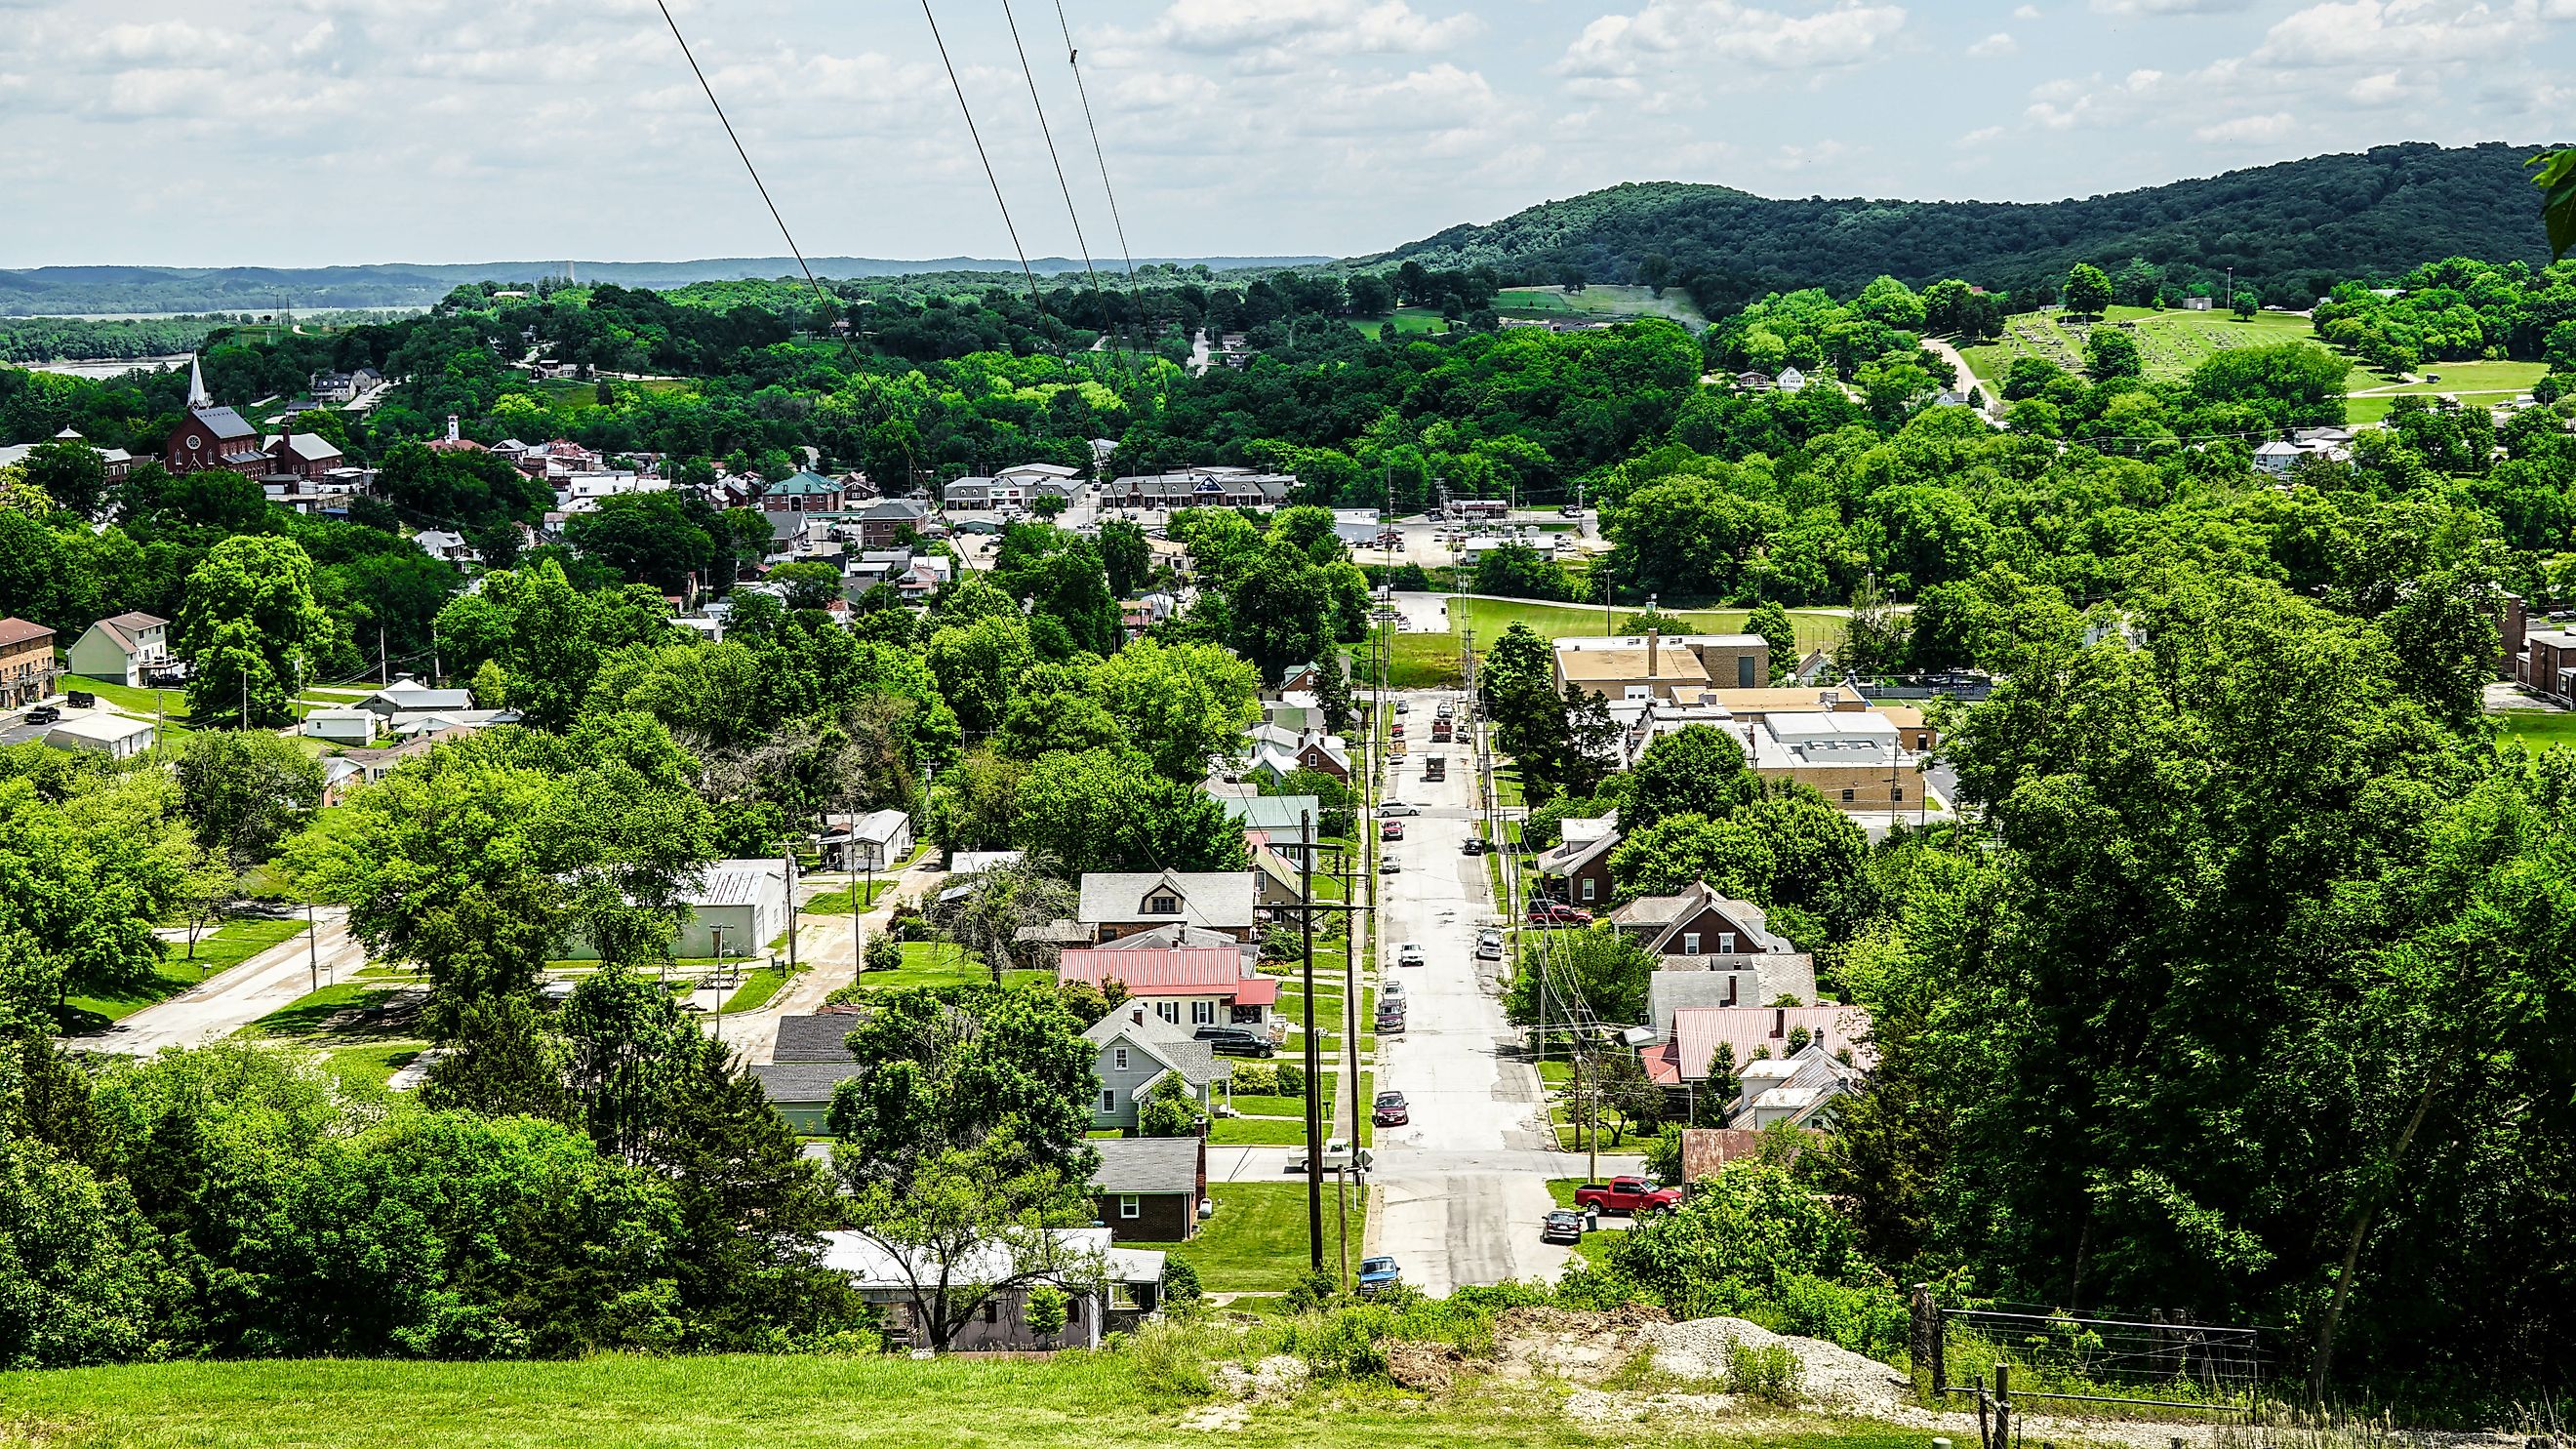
column 1982, row 135
column 1993, row 46
column 1676, row 33
column 2025, row 12
column 2171, row 7
column 1267, row 28
column 2398, row 32
column 2249, row 130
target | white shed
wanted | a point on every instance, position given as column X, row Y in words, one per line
column 112, row 735
column 341, row 726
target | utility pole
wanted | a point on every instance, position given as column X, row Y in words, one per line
column 718, row 933
column 436, row 674
column 1314, row 1058
column 791, row 913
column 244, row 676
column 384, row 666
column 312, row 949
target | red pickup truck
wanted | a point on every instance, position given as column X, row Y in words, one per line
column 1631, row 1195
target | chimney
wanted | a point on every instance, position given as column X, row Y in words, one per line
column 1653, row 637
column 1138, row 1017
column 451, row 427
column 1779, row 1021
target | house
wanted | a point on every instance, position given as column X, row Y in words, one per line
column 454, row 442
column 345, row 772
column 887, row 521
column 739, row 906
column 340, row 726
column 439, row 543
column 1798, row 1088
column 407, row 694
column 800, row 493
column 2546, row 664
column 2278, row 458
column 967, row 862
column 1578, row 869
column 1652, row 666
column 115, row 462
column 1186, row 987
column 1309, row 677
column 1177, row 935
column 1713, row 951
column 300, row 458
column 1289, row 821
column 1111, row 1288
column 878, row 841
column 1745, row 1035
column 820, row 1036
column 802, row 1091
column 1138, row 1048
column 1698, row 922
column 445, row 723
column 112, row 735
column 1148, row 1189
column 1120, row 903
column 26, row 662
column 1791, row 380
column 1278, row 752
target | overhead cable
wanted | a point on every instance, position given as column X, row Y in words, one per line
column 1073, row 61
column 980, row 154
column 819, row 294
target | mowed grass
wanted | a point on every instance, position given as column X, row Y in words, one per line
column 1409, row 321
column 1256, row 1243
column 2170, row 343
column 1430, row 661
column 836, row 901
column 937, row 963
column 2482, row 384
column 2539, row 728
column 218, row 950
column 1601, row 302
column 1057, row 1401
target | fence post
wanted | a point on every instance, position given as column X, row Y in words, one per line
column 1926, row 1348
column 2003, row 1406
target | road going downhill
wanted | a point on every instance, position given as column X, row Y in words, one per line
column 234, row 999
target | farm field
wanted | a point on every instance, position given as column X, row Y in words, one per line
column 2172, row 342
column 1407, row 320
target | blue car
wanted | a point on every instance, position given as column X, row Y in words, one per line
column 1377, row 1275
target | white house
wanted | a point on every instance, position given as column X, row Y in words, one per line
column 2278, row 458
column 112, row 735
column 340, row 726
column 1110, row 1287
column 1791, row 379
column 880, row 840
column 739, row 904
column 407, row 695
column 122, row 649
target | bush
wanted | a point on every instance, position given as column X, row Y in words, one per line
column 885, row 953
column 1180, row 1282
column 1172, row 1355
column 1345, row 1343
column 1872, row 1319
column 1260, row 1079
column 1313, row 1291
column 1292, row 1080
column 1769, row 1373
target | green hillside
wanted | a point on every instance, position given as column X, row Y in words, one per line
column 2284, row 228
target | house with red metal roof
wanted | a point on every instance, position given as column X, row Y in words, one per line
column 1187, row 986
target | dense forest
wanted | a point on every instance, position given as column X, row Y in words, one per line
column 2295, row 225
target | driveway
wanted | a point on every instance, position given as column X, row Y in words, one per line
column 827, row 950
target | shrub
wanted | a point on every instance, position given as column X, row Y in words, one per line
column 885, row 953
column 1292, row 1080
column 1259, row 1079
column 1871, row 1319
column 1180, row 1282
column 1313, row 1291
column 1345, row 1343
column 1769, row 1373
column 1172, row 1355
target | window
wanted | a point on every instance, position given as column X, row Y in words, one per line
column 1896, row 793
column 1169, row 1011
column 1639, row 691
column 1847, row 797
column 1690, row 943
column 1129, row 1207
column 1108, row 1100
column 1120, row 1057
column 992, row 1311
column 1202, row 1013
column 1744, row 671
column 1591, row 887
column 1726, row 943
column 1162, row 905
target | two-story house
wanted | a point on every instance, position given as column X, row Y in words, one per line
column 1186, row 987
column 1138, row 1047
column 125, row 649
column 1121, row 903
column 1712, row 950
column 26, row 662
column 1578, row 869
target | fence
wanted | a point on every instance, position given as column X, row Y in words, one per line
column 2152, row 1360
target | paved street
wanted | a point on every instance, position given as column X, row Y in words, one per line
column 225, row 1004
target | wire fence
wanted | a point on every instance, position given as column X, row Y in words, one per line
column 2150, row 1359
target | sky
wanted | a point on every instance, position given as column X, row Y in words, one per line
column 319, row 132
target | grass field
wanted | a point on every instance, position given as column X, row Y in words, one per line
column 305, row 1015
column 2482, row 383
column 570, row 396
column 2539, row 727
column 2172, row 343
column 221, row 949
column 1409, row 321
column 1430, row 661
column 836, row 901
column 936, row 963
column 1060, row 1401
column 1599, row 303
column 756, row 989
column 1256, row 1243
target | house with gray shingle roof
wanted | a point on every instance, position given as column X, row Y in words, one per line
column 1148, row 1189
column 1138, row 1049
column 1121, row 903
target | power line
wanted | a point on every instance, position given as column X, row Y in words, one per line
column 980, row 154
column 1048, row 135
column 1073, row 62
column 727, row 123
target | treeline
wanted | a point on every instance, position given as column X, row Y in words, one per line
column 2457, row 310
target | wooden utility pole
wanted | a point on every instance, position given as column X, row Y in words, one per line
column 1314, row 1059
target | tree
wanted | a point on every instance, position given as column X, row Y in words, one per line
column 999, row 902
column 1740, row 1238
column 251, row 629
column 69, row 473
column 1873, row 634
column 809, row 585
column 2110, row 352
column 2088, row 290
column 1518, row 571
column 1046, row 1309
column 1111, row 810
column 1169, row 1111
column 1003, row 1075
column 971, row 1224
column 1600, row 970
column 1281, row 604
column 1125, row 556
column 81, row 882
column 1696, row 770
column 978, row 664
column 1333, row 692
column 244, row 794
column 1334, row 803
column 1182, row 704
column 1771, row 622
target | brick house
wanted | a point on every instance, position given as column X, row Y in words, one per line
column 26, row 662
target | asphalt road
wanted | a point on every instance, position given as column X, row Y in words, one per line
column 225, row 1004
column 1466, row 1183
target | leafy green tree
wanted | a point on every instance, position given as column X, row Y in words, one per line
column 1000, row 901
column 1125, row 556
column 1282, row 608
column 1183, row 704
column 251, row 629
column 1695, row 770
column 2110, row 352
column 1517, row 571
column 244, row 794
column 971, row 1224
column 810, row 585
column 978, row 665
column 1169, row 1111
column 1771, row 622
column 2087, row 291
column 69, row 473
column 1600, row 966
column 1111, row 810
column 1003, row 1074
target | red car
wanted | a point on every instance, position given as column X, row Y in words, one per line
column 1390, row 830
column 1631, row 1195
column 1558, row 913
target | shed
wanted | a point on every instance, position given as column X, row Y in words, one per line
column 112, row 735
column 802, row 1091
column 1148, row 1189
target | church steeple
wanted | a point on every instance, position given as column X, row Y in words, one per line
column 198, row 397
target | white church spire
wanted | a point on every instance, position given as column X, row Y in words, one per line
column 198, row 397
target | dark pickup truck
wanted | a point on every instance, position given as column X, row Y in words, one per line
column 1629, row 1195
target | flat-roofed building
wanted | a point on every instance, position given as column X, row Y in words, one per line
column 1658, row 666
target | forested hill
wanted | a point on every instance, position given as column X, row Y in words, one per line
column 2285, row 227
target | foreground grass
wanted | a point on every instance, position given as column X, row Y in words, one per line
column 2539, row 728
column 1071, row 1399
column 218, row 950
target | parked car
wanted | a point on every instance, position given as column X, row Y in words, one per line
column 1561, row 1225
column 1397, row 807
column 1409, row 954
column 1391, row 992
column 1337, row 1155
column 1390, row 830
column 1387, row 865
column 1630, row 1195
column 1474, row 845
column 1391, row 1110
column 1377, row 1275
column 43, row 714
column 1402, row 707
column 1236, row 1041
column 1390, row 1021
column 1558, row 913
column 1489, row 947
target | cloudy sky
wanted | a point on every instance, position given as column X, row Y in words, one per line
column 311, row 132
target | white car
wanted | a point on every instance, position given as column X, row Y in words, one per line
column 1390, row 993
column 1408, row 954
column 1397, row 807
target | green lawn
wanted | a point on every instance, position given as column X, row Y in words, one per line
column 2170, row 343
column 1256, row 1243
column 1409, row 321
column 936, row 963
column 756, row 989
column 364, row 1070
column 836, row 902
column 304, row 1015
column 2482, row 383
column 2539, row 727
column 1490, row 617
column 1256, row 1132
column 1600, row 302
column 854, row 1401
column 221, row 949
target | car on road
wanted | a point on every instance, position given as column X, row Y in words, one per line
column 1401, row 707
column 43, row 714
column 1561, row 1225
column 1474, row 845
column 1236, row 1041
column 1409, row 954
column 1390, row 1021
column 1558, row 913
column 1631, row 1195
column 1391, row 1110
column 1390, row 830
column 1397, row 807
column 1388, row 865
column 1337, row 1155
column 1377, row 1275
column 1391, row 992
column 1489, row 947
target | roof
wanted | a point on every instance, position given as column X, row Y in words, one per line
column 1573, row 854
column 741, row 883
column 1659, row 917
column 311, row 447
column 1670, row 663
column 1174, row 1045
column 871, row 1266
column 224, row 423
column 22, row 631
column 410, row 694
column 967, row 862
column 1216, row 899
column 124, row 628
column 802, row 1081
column 100, row 728
column 815, row 1038
column 1698, row 1031
column 1147, row 1164
column 877, row 827
column 800, row 484
column 1277, row 814
column 1187, row 970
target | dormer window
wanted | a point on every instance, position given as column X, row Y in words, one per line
column 1162, row 905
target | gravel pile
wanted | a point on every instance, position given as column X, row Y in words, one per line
column 1832, row 1376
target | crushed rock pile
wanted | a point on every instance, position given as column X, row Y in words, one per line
column 1831, row 1376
